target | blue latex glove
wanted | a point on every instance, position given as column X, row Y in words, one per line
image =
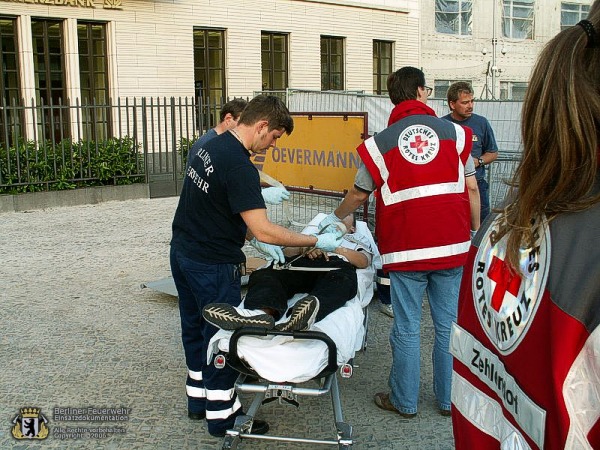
column 275, row 195
column 328, row 242
column 331, row 218
column 272, row 252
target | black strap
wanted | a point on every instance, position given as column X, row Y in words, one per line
column 593, row 41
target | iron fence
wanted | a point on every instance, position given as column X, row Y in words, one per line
column 56, row 146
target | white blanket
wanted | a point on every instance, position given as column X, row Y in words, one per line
column 285, row 359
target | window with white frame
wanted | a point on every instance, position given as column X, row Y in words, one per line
column 440, row 87
column 512, row 90
column 453, row 16
column 572, row 13
column 517, row 19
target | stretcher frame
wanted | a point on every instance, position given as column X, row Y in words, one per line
column 265, row 391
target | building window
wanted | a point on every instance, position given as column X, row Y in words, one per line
column 512, row 90
column 274, row 60
column 572, row 13
column 9, row 82
column 93, row 75
column 209, row 72
column 48, row 66
column 440, row 87
column 517, row 20
column 382, row 65
column 332, row 63
column 453, row 17
column 209, row 64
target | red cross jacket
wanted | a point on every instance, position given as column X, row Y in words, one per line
column 527, row 348
column 422, row 209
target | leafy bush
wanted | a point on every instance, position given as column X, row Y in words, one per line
column 44, row 166
column 185, row 144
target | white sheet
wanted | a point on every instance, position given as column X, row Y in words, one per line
column 284, row 359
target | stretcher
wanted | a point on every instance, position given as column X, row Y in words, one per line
column 284, row 366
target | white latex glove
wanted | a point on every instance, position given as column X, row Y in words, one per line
column 272, row 252
column 331, row 218
column 337, row 228
column 275, row 195
column 328, row 242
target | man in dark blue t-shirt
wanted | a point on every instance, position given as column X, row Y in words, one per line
column 220, row 206
column 228, row 119
column 229, row 116
column 485, row 149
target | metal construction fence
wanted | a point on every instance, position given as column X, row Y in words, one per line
column 57, row 146
column 303, row 204
column 504, row 117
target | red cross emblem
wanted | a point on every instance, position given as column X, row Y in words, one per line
column 505, row 281
column 419, row 144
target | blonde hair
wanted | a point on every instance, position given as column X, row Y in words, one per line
column 559, row 126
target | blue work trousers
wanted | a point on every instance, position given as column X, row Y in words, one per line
column 484, row 198
column 407, row 289
column 208, row 389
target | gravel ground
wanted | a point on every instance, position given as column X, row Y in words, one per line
column 78, row 331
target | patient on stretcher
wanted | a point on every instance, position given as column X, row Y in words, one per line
column 328, row 279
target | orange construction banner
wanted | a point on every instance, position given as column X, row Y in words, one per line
column 319, row 154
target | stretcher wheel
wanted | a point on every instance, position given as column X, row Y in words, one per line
column 230, row 442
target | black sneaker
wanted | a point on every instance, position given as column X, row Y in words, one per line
column 258, row 427
column 196, row 415
column 227, row 317
column 302, row 316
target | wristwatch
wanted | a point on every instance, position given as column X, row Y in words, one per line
column 480, row 161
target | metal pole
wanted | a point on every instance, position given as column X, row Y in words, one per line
column 494, row 44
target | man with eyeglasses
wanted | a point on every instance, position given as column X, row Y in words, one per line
column 426, row 202
column 485, row 149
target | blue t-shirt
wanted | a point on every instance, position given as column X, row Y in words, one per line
column 483, row 138
column 199, row 143
column 220, row 183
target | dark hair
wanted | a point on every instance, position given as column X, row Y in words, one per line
column 269, row 108
column 456, row 89
column 233, row 107
column 560, row 131
column 404, row 83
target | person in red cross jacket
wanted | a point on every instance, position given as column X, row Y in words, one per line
column 526, row 344
column 427, row 202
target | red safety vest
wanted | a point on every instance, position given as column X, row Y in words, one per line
column 422, row 206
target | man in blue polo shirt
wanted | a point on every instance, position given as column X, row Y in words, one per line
column 220, row 206
column 485, row 149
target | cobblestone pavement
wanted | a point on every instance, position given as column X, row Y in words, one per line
column 78, row 331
